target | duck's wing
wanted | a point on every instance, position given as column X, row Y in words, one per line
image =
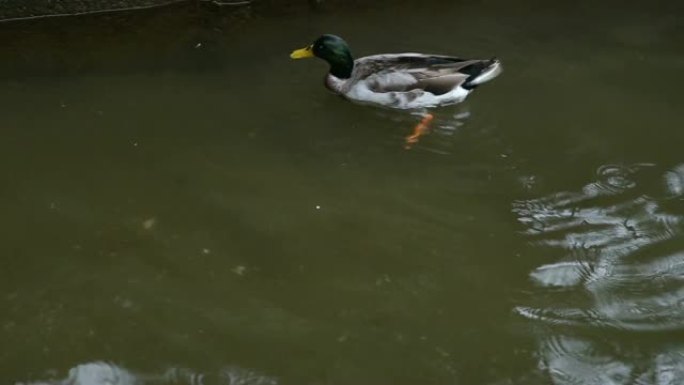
column 406, row 72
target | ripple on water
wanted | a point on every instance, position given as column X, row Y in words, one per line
column 616, row 178
column 576, row 361
column 622, row 251
column 620, row 267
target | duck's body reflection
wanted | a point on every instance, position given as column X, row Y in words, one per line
column 616, row 296
column 103, row 373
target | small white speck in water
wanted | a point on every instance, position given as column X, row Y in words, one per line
column 382, row 280
column 149, row 223
column 135, row 144
column 318, row 207
column 198, row 45
column 206, row 251
column 127, row 304
column 443, row 352
column 239, row 270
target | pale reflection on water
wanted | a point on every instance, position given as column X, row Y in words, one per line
column 621, row 271
column 103, row 373
column 576, row 360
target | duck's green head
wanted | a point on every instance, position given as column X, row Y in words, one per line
column 332, row 49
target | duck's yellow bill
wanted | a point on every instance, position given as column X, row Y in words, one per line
column 302, row 53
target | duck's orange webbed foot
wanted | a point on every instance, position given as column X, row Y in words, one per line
column 419, row 130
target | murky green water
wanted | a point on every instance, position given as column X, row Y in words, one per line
column 184, row 202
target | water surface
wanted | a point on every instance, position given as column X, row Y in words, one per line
column 184, row 203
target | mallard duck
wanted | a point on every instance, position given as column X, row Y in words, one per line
column 405, row 80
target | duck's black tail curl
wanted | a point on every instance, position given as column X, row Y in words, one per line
column 481, row 72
